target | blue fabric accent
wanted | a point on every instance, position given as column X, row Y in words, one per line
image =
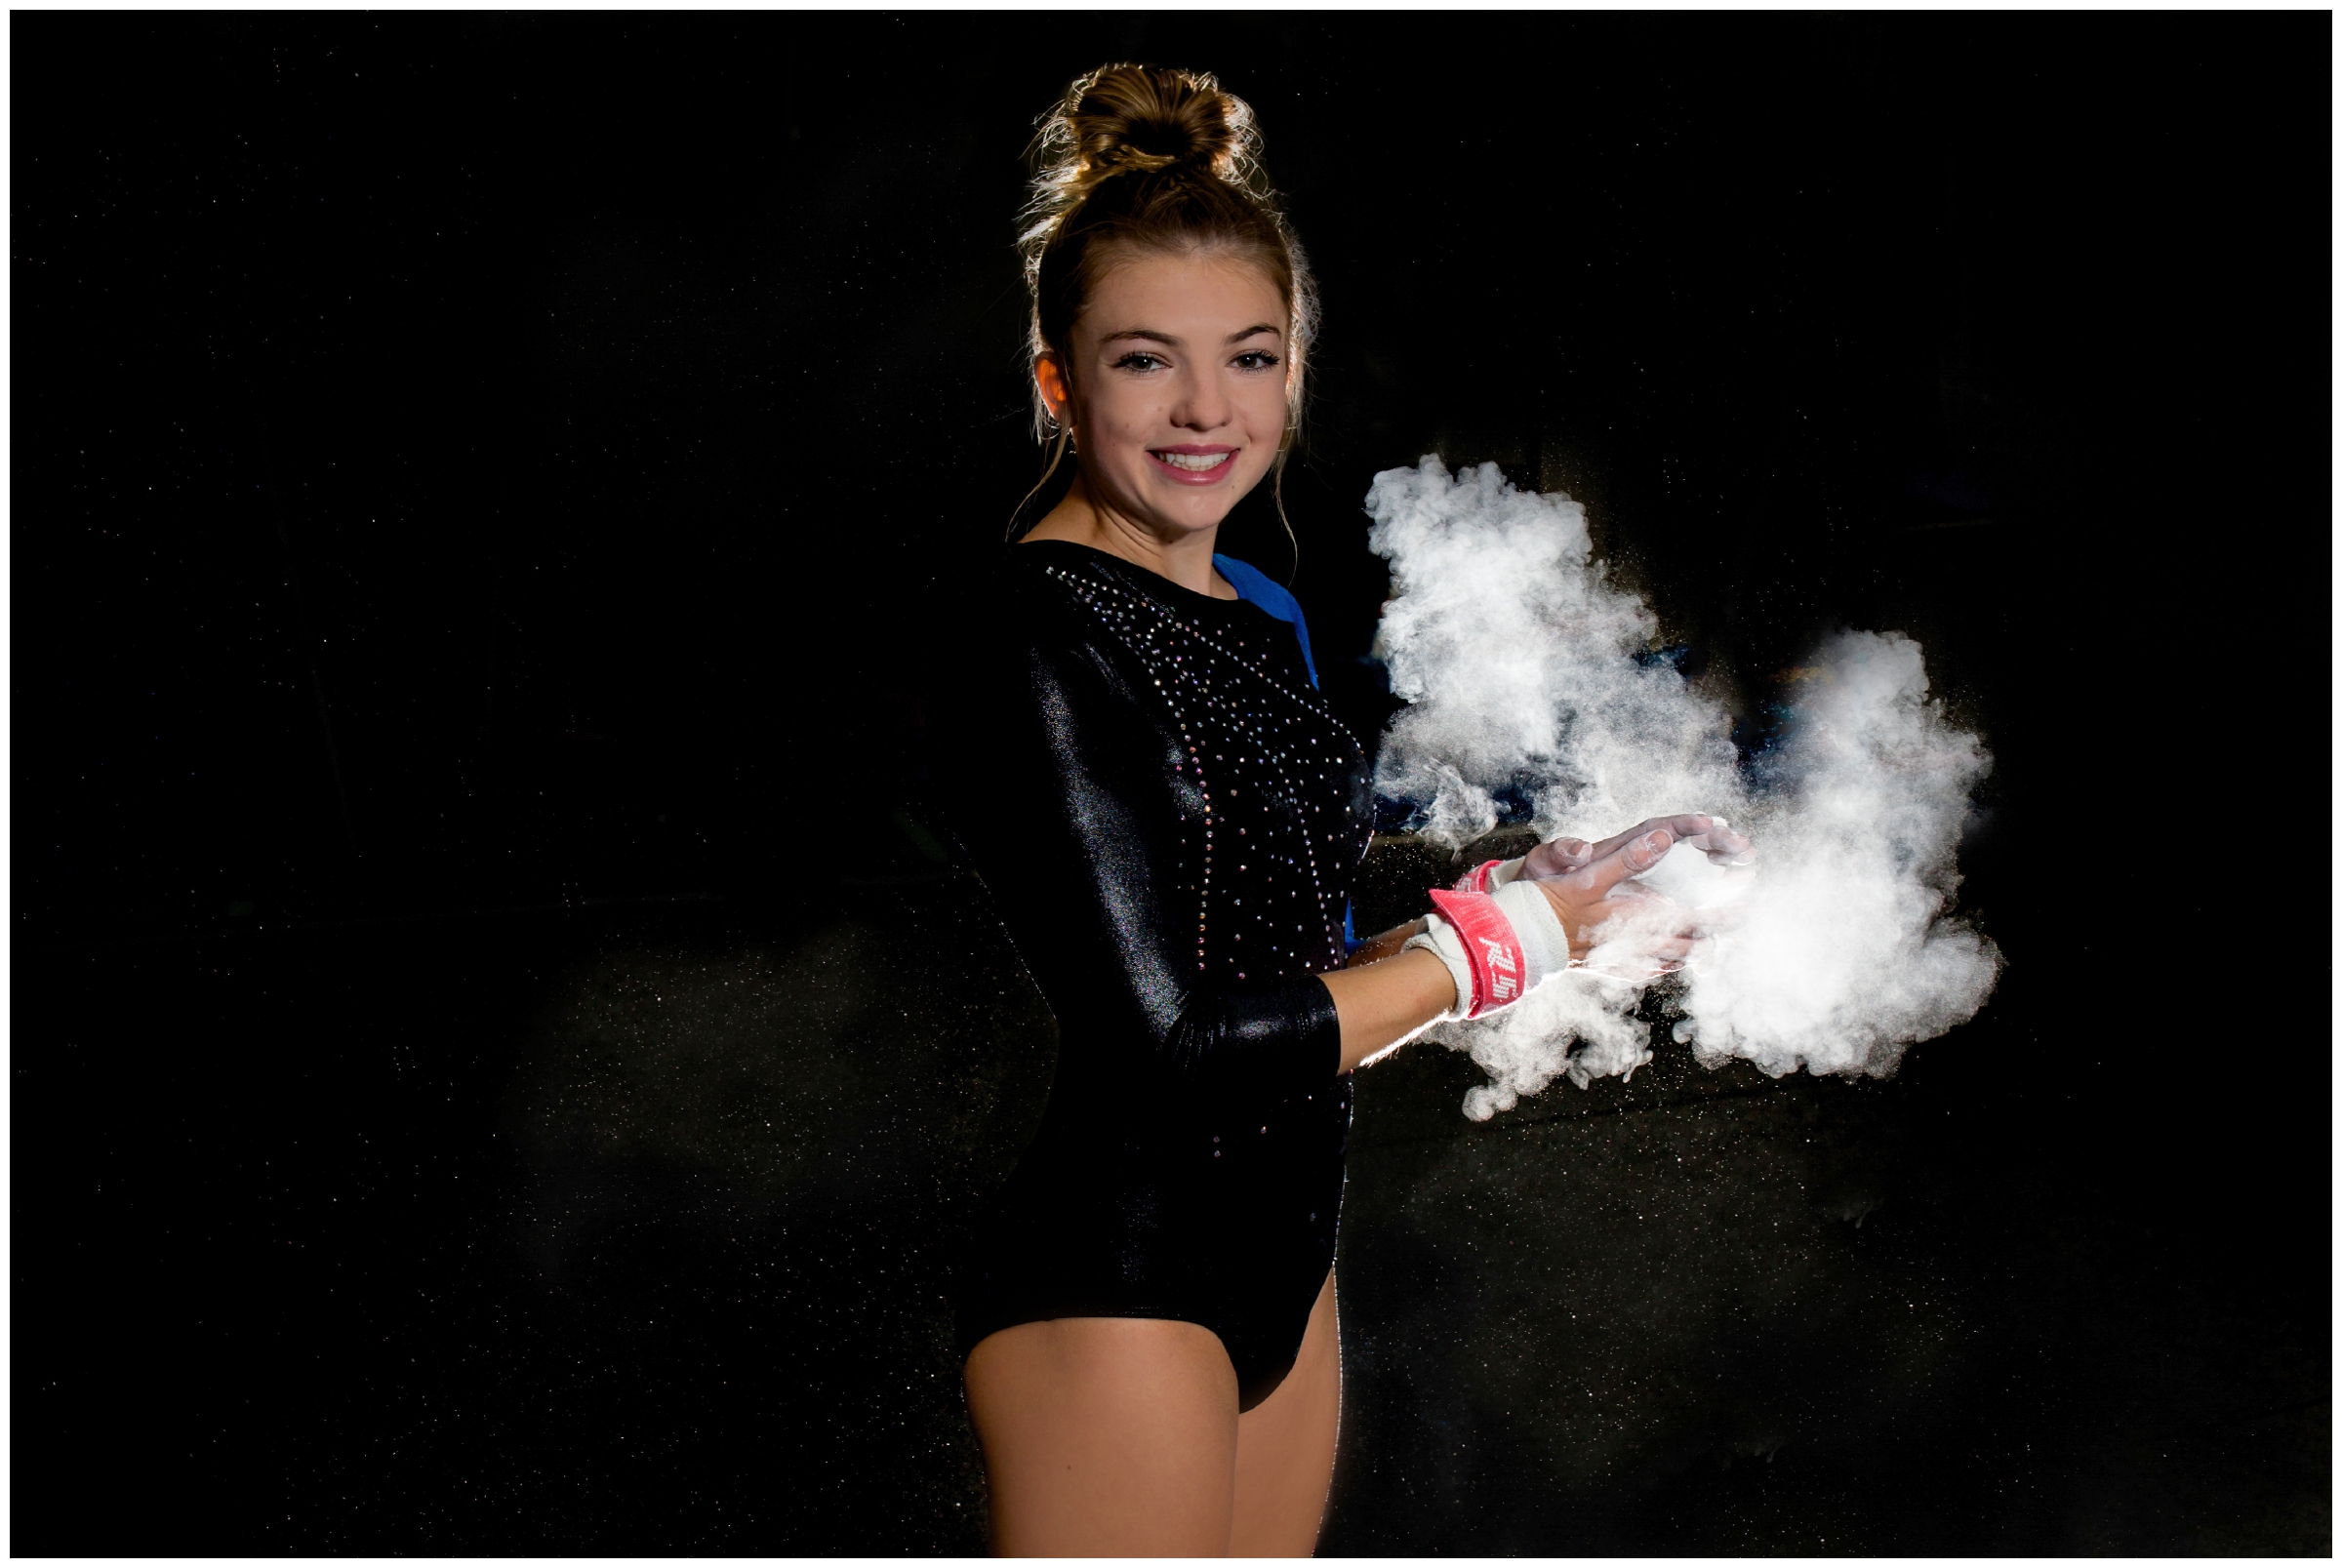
column 1258, row 587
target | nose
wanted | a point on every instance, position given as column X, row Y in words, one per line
column 1203, row 403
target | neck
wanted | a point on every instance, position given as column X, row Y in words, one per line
column 1186, row 558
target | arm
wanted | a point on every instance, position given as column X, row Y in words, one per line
column 1068, row 819
column 1387, row 996
column 1374, row 950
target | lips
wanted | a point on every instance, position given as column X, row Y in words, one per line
column 1193, row 465
column 1195, row 462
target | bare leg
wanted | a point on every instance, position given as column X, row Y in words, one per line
column 1285, row 1447
column 1107, row 1436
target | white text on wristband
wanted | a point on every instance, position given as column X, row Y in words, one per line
column 1499, row 970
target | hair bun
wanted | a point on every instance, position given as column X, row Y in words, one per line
column 1143, row 119
column 1138, row 158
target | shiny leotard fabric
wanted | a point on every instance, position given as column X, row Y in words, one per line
column 1169, row 819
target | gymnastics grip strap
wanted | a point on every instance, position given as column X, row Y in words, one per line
column 1499, row 968
column 1489, row 875
column 1496, row 945
column 1476, row 880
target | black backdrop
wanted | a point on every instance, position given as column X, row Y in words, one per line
column 483, row 483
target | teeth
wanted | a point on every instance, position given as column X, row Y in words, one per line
column 1194, row 462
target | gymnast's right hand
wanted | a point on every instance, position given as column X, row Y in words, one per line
column 1598, row 905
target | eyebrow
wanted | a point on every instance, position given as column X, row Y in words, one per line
column 1150, row 334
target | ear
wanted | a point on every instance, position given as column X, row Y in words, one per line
column 1055, row 390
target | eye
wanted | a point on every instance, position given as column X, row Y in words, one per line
column 1257, row 359
column 1139, row 360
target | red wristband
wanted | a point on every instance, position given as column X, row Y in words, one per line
column 1498, row 966
column 1476, row 879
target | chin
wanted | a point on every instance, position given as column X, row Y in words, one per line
column 1196, row 518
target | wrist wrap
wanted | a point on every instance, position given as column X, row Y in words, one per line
column 1490, row 949
column 1489, row 875
column 1496, row 945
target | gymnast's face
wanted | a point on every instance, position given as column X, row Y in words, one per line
column 1176, row 386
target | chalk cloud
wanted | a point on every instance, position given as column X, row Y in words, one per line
column 1529, row 678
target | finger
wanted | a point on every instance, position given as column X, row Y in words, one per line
column 1682, row 825
column 1630, row 858
column 1709, row 833
column 1724, row 847
column 1618, row 841
column 1558, row 858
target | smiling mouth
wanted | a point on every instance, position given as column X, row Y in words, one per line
column 1194, row 462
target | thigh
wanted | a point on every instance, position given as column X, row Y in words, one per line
column 1107, row 1436
column 1285, row 1447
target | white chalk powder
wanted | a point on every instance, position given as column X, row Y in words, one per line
column 1524, row 671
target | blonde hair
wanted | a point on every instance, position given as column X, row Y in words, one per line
column 1140, row 157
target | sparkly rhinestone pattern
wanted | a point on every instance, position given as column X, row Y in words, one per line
column 1272, row 787
column 1169, row 819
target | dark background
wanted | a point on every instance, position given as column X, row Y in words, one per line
column 482, row 489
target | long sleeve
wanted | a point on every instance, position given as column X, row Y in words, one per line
column 1170, row 820
column 1085, row 828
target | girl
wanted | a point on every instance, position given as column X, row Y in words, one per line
column 1169, row 819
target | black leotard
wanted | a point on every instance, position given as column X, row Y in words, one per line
column 1168, row 817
